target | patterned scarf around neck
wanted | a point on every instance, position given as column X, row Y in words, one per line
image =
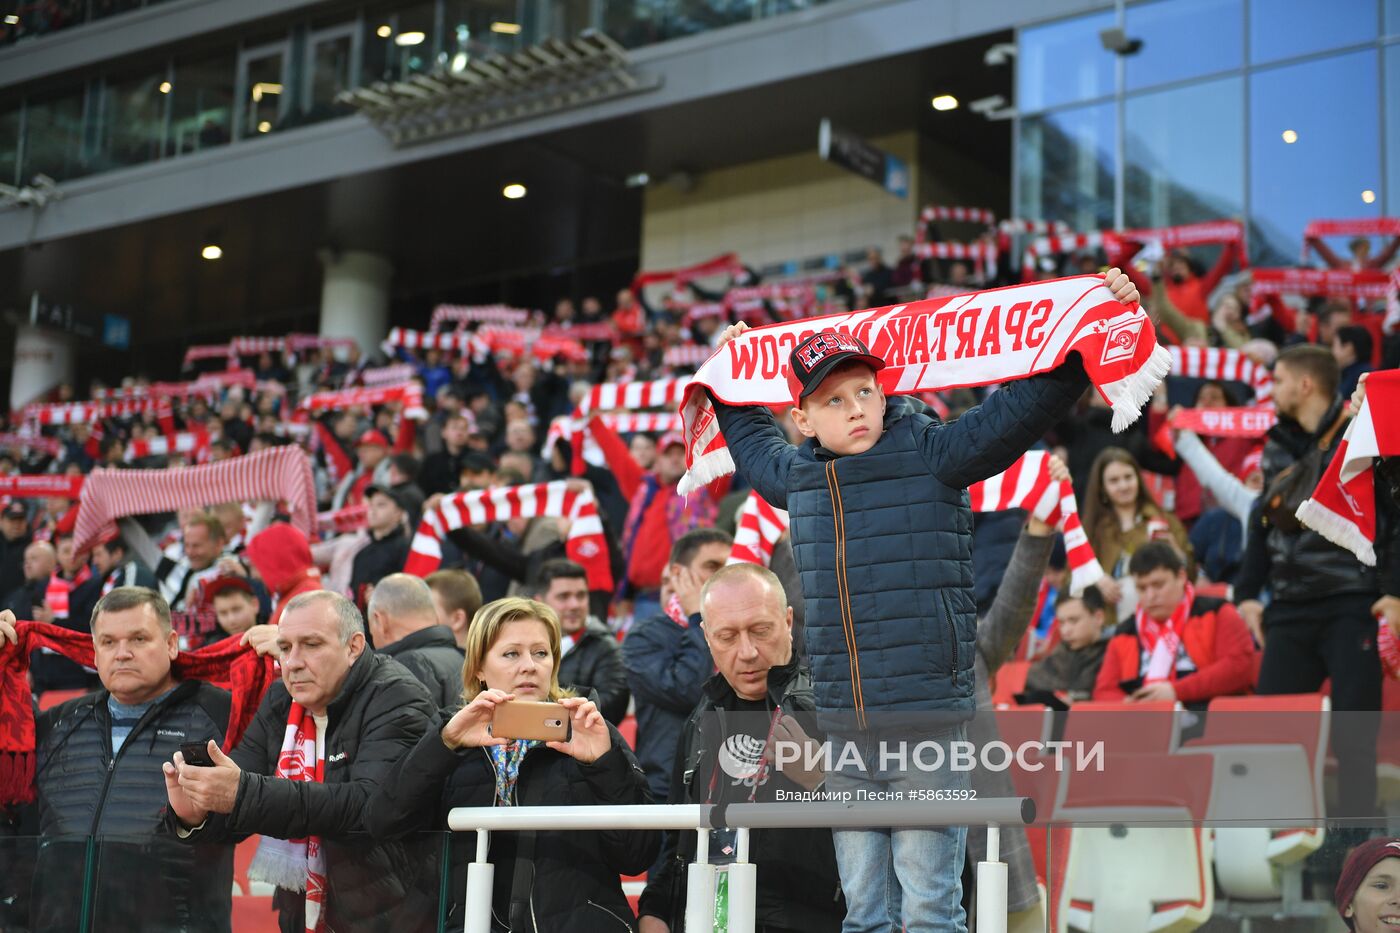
column 506, row 761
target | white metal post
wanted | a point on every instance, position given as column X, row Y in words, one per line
column 991, row 886
column 700, row 886
column 743, row 887
column 481, row 879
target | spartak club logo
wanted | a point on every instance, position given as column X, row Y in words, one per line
column 1120, row 343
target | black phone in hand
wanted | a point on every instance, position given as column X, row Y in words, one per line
column 197, row 754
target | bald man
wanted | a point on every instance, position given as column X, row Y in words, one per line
column 403, row 621
column 43, row 597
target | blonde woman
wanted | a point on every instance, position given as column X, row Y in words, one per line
column 546, row 882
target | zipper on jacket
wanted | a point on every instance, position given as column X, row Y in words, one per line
column 848, row 625
column 152, row 714
column 625, row 925
column 953, row 642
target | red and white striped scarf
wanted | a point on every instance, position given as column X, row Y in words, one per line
column 1200, row 234
column 185, row 442
column 759, row 527
column 467, row 344
column 1226, row 422
column 56, row 593
column 1161, row 641
column 461, row 315
column 344, row 521
column 1344, row 283
column 297, row 864
column 1025, row 485
column 632, row 396
column 977, row 339
column 1361, row 226
column 1219, row 363
column 410, row 394
column 585, row 543
column 1053, row 245
column 565, row 428
column 689, row 354
column 375, row 377
column 48, row 445
column 1343, row 506
column 970, row 215
column 41, row 486
column 279, row 474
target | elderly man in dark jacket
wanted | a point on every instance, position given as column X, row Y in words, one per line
column 96, row 774
column 761, row 694
column 368, row 711
column 404, row 624
column 1321, row 621
column 667, row 659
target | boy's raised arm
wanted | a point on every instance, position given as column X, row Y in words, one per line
column 989, row 438
column 759, row 447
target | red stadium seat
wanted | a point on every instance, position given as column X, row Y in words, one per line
column 1009, row 681
column 253, row 915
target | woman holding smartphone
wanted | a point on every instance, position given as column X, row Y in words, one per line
column 545, row 882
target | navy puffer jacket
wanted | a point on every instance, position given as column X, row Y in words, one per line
column 883, row 539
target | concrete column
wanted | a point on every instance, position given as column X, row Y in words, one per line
column 43, row 359
column 355, row 297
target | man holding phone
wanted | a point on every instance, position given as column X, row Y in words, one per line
column 97, row 770
column 301, row 777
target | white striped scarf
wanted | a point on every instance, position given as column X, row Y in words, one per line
column 566, row 428
column 185, row 442
column 971, row 215
column 1054, row 245
column 610, row 396
column 1220, row 363
column 584, row 543
column 483, row 314
column 1025, row 485
column 687, row 355
column 279, row 474
column 409, row 393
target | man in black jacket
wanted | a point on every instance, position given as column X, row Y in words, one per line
column 369, row 711
column 1320, row 622
column 442, row 471
column 14, row 538
column 762, row 694
column 404, row 624
column 666, row 657
column 97, row 773
column 592, row 657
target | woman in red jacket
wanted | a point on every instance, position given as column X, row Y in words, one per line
column 1178, row 646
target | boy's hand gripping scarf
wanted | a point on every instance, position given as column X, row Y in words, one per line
column 943, row 343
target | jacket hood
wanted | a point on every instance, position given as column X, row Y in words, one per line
column 282, row 557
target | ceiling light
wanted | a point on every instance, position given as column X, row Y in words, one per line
column 414, row 37
column 11, row 19
column 506, row 29
column 264, row 88
column 945, row 102
column 638, row 180
column 1368, row 196
column 1290, row 137
column 211, row 252
column 459, row 61
column 165, row 87
column 264, row 127
column 513, row 191
column 384, row 31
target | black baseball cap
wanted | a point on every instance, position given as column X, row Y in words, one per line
column 814, row 358
column 15, row 509
column 404, row 495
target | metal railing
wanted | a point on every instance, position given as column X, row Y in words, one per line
column 742, row 818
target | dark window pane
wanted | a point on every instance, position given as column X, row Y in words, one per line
column 54, row 138
column 329, row 55
column 1285, row 28
column 201, row 113
column 1067, row 167
column 9, row 146
column 399, row 42
column 480, row 27
column 1185, row 154
column 133, row 120
column 265, row 94
column 1176, row 46
column 1334, row 155
column 1063, row 62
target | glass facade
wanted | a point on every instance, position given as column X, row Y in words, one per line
column 174, row 105
column 1275, row 111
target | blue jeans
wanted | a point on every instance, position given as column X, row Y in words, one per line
column 909, row 878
